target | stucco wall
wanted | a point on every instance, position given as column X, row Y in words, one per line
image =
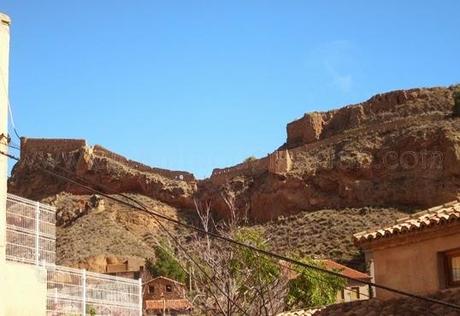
column 413, row 263
column 26, row 294
column 350, row 293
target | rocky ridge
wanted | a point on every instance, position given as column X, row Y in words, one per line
column 396, row 152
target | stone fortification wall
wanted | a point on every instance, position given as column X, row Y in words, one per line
column 281, row 161
column 368, row 129
column 380, row 108
column 174, row 175
column 249, row 168
column 277, row 162
column 50, row 145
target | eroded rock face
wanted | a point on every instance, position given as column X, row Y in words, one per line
column 378, row 109
column 397, row 149
column 104, row 173
column 400, row 148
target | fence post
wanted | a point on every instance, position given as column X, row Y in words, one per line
column 37, row 233
column 83, row 274
column 141, row 299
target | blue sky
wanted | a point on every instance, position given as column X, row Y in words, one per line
column 194, row 85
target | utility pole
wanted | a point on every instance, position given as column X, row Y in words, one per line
column 4, row 73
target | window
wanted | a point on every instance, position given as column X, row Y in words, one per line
column 151, row 289
column 354, row 293
column 453, row 267
column 168, row 288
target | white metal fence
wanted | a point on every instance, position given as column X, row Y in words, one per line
column 30, row 231
column 31, row 239
column 78, row 292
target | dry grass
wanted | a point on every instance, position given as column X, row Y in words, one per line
column 327, row 233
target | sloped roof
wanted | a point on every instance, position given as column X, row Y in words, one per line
column 438, row 215
column 344, row 270
column 164, row 278
column 332, row 266
column 174, row 304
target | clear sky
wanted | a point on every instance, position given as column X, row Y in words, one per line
column 194, row 85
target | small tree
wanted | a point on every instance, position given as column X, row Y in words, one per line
column 313, row 288
column 249, row 159
column 456, row 96
column 165, row 264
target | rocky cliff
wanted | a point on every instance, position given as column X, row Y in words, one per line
column 396, row 152
column 397, row 149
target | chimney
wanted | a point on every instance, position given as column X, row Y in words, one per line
column 4, row 62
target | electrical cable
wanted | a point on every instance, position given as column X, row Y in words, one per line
column 240, row 244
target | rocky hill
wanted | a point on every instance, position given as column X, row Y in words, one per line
column 338, row 172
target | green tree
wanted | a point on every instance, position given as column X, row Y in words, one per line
column 263, row 269
column 313, row 288
column 165, row 264
column 456, row 96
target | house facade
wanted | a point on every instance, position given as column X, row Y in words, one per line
column 131, row 269
column 418, row 254
column 164, row 296
column 354, row 290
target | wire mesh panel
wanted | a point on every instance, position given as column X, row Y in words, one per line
column 65, row 294
column 31, row 239
column 30, row 231
column 109, row 295
column 77, row 293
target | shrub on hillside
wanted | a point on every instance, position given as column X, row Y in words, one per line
column 165, row 264
column 249, row 159
column 457, row 102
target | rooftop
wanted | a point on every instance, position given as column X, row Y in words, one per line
column 439, row 215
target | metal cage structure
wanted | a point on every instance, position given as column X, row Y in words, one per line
column 79, row 292
column 30, row 231
column 31, row 239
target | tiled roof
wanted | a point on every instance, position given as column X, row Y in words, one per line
column 344, row 270
column 332, row 266
column 177, row 304
column 438, row 215
column 164, row 278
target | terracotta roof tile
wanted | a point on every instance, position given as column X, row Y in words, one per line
column 344, row 270
column 438, row 215
column 332, row 266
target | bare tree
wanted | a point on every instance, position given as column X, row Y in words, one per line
column 247, row 281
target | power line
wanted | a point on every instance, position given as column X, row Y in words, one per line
column 240, row 244
column 144, row 207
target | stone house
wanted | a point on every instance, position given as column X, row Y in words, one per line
column 354, row 290
column 131, row 269
column 418, row 254
column 164, row 296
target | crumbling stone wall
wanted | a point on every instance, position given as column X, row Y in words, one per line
column 279, row 162
column 174, row 175
column 50, row 145
column 400, row 104
column 56, row 146
column 248, row 168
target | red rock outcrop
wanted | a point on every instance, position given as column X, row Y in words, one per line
column 104, row 170
column 400, row 148
column 397, row 148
